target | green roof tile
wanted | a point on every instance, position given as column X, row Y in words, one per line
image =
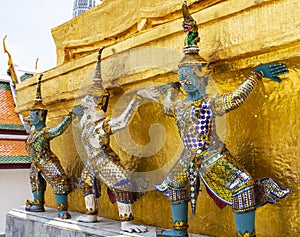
column 4, row 86
column 14, row 159
column 19, row 127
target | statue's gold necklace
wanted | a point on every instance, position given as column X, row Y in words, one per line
column 197, row 103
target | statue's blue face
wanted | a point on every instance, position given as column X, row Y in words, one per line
column 34, row 117
column 192, row 78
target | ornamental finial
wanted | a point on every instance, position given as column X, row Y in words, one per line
column 11, row 69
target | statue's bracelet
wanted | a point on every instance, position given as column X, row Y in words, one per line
column 138, row 97
column 106, row 126
column 257, row 74
column 70, row 114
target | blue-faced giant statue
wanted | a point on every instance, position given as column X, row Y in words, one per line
column 205, row 157
column 45, row 165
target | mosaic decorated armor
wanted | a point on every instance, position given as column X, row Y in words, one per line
column 102, row 161
column 45, row 166
column 204, row 155
column 44, row 162
column 103, row 165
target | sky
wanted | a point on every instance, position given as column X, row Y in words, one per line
column 28, row 25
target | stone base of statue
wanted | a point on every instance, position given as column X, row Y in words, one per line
column 20, row 223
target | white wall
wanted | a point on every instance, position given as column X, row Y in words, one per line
column 14, row 191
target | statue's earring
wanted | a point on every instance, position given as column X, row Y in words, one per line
column 42, row 115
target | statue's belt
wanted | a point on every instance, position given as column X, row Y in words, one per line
column 203, row 159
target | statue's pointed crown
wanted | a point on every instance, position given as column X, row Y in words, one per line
column 96, row 88
column 101, row 96
column 191, row 49
column 97, row 80
column 38, row 100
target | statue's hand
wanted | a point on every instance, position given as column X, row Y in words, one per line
column 150, row 93
column 272, row 70
column 78, row 110
column 165, row 88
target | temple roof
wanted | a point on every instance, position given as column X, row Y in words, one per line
column 12, row 133
column 13, row 151
column 9, row 120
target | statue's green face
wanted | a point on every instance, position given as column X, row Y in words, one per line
column 193, row 79
column 34, row 117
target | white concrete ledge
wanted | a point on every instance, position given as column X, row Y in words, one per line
column 14, row 137
column 20, row 223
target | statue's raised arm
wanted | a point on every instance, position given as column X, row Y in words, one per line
column 230, row 101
